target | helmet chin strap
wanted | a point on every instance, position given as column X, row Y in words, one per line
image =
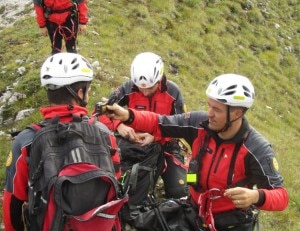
column 228, row 122
column 82, row 102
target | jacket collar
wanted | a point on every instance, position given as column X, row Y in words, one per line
column 239, row 136
column 65, row 113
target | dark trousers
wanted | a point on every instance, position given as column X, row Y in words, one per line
column 67, row 32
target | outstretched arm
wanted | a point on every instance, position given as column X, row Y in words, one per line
column 117, row 112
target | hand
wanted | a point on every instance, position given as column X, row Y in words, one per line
column 242, row 197
column 127, row 133
column 117, row 112
column 104, row 100
column 44, row 31
column 144, row 139
column 81, row 28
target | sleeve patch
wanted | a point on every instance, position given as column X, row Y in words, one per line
column 9, row 159
column 275, row 164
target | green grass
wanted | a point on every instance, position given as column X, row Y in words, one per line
column 202, row 39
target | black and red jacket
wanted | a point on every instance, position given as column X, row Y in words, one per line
column 167, row 100
column 255, row 158
column 59, row 10
column 16, row 185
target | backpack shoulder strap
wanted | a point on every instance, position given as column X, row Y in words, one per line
column 35, row 127
column 38, row 2
column 193, row 178
column 43, row 123
column 245, row 180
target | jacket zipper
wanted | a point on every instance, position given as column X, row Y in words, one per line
column 219, row 160
column 154, row 107
column 211, row 164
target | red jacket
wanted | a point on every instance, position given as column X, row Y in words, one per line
column 255, row 160
column 16, row 185
column 167, row 100
column 59, row 5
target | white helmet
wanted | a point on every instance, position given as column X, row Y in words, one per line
column 63, row 69
column 232, row 90
column 146, row 69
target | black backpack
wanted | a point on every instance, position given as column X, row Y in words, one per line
column 72, row 182
column 141, row 167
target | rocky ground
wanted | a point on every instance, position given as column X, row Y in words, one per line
column 9, row 11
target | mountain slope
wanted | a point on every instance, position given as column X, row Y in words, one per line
column 197, row 40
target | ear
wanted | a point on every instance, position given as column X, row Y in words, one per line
column 80, row 93
column 239, row 112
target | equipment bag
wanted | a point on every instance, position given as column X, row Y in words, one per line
column 72, row 182
column 141, row 167
column 168, row 215
column 239, row 220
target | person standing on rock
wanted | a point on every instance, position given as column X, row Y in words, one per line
column 61, row 20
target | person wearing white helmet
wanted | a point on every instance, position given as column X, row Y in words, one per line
column 232, row 90
column 149, row 90
column 233, row 172
column 147, row 69
column 67, row 78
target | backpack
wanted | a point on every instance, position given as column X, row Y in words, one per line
column 141, row 167
column 72, row 182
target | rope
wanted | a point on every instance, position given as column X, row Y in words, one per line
column 62, row 31
column 205, row 209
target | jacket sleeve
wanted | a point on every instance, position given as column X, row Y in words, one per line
column 185, row 125
column 144, row 121
column 264, row 172
column 83, row 12
column 111, row 124
column 120, row 96
column 275, row 199
column 40, row 18
column 12, row 212
column 16, row 181
column 179, row 106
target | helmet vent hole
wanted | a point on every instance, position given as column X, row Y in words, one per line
column 60, row 61
column 222, row 100
column 247, row 95
column 75, row 67
column 232, row 87
column 229, row 93
column 47, row 77
column 155, row 73
column 142, row 78
column 247, row 92
column 246, row 89
column 73, row 61
column 89, row 65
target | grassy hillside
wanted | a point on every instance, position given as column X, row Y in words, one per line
column 197, row 40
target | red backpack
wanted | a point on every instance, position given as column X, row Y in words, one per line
column 72, row 179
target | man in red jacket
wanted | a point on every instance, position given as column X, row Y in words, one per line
column 233, row 170
column 67, row 78
column 150, row 90
column 61, row 20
